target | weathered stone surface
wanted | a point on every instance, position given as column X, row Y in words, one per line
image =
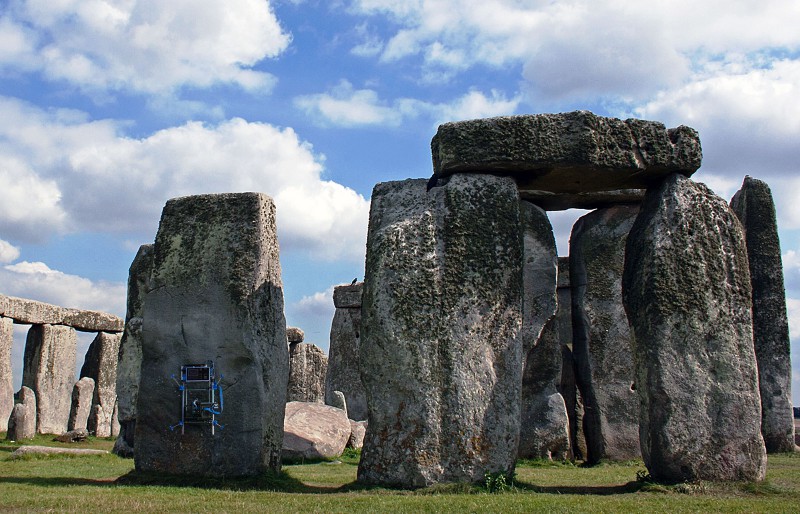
column 307, row 366
column 39, row 313
column 314, row 431
column 216, row 295
column 339, row 402
column 73, row 436
column 603, row 339
column 344, row 372
column 22, row 422
column 6, row 379
column 358, row 429
column 129, row 360
column 686, row 289
column 49, row 450
column 82, row 394
column 99, row 422
column 575, row 152
column 441, row 357
column 539, row 273
column 294, row 335
column 754, row 207
column 100, row 364
column 49, row 370
column 550, row 201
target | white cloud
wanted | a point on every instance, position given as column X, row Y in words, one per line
column 144, row 45
column 313, row 313
column 8, row 252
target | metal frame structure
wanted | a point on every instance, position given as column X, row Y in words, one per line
column 201, row 396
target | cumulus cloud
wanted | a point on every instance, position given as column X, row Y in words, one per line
column 313, row 313
column 91, row 177
column 8, row 252
column 143, row 45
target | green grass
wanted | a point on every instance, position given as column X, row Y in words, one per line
column 108, row 484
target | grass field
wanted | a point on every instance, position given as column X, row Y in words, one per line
column 108, row 484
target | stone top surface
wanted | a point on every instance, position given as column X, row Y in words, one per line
column 574, row 152
column 295, row 335
column 40, row 313
column 347, row 296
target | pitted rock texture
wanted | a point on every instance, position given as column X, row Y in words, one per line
column 6, row 379
column 344, row 372
column 339, row 401
column 314, row 431
column 603, row 339
column 358, row 429
column 441, row 357
column 754, row 207
column 307, row 366
column 49, row 371
column 39, row 313
column 22, row 423
column 686, row 289
column 100, row 364
column 82, row 394
column 294, row 335
column 216, row 295
column 574, row 152
column 99, row 422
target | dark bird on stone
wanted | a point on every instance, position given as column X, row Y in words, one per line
column 354, row 281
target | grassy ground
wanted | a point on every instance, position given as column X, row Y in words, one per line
column 108, row 484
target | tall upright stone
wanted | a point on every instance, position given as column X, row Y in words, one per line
column 82, row 394
column 602, row 342
column 686, row 289
column 22, row 423
column 344, row 372
column 129, row 360
column 100, row 364
column 49, row 371
column 754, row 207
column 307, row 366
column 441, row 352
column 6, row 380
column 215, row 295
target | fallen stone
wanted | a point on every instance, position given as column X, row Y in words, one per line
column 754, row 207
column 314, row 431
column 73, row 436
column 307, row 366
column 358, row 429
column 344, row 372
column 49, row 450
column 100, row 364
column 216, row 294
column 49, row 370
column 696, row 372
column 22, row 422
column 294, row 335
column 574, row 152
column 31, row 312
column 6, row 379
column 82, row 394
column 441, row 349
column 603, row 339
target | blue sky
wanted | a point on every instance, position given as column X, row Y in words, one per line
column 111, row 107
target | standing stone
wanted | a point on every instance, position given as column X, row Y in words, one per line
column 100, row 364
column 6, row 379
column 99, row 422
column 686, row 289
column 216, row 294
column 49, row 370
column 602, row 343
column 129, row 360
column 294, row 335
column 441, row 355
column 22, row 423
column 307, row 366
column 339, row 402
column 754, row 207
column 344, row 372
column 82, row 394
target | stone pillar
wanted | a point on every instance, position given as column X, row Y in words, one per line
column 686, row 289
column 754, row 207
column 344, row 372
column 22, row 423
column 602, row 342
column 307, row 366
column 216, row 294
column 100, row 364
column 441, row 352
column 6, row 379
column 49, row 370
column 82, row 394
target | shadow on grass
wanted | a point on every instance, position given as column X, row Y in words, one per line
column 603, row 490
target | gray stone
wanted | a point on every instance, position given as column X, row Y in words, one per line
column 307, row 366
column 22, row 422
column 441, row 350
column 38, row 313
column 294, row 335
column 754, row 207
column 550, row 201
column 575, row 152
column 339, row 402
column 314, row 431
column 49, row 370
column 216, row 294
column 82, row 394
column 603, row 339
column 73, row 436
column 100, row 364
column 344, row 372
column 115, row 426
column 99, row 422
column 49, row 450
column 686, row 289
column 358, row 429
column 6, row 378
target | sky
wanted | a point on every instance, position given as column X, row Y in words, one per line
column 111, row 107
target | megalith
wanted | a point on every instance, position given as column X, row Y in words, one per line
column 344, row 372
column 314, row 431
column 602, row 340
column 307, row 366
column 215, row 295
column 441, row 349
column 295, row 335
column 6, row 379
column 49, row 371
column 100, row 364
column 686, row 289
column 129, row 360
column 754, row 207
column 22, row 423
column 99, row 422
column 82, row 394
